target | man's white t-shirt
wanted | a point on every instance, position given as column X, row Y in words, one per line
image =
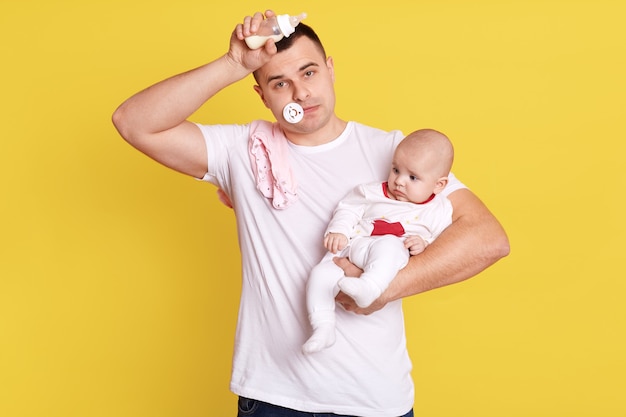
column 367, row 371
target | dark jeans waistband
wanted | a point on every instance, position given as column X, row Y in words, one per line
column 254, row 408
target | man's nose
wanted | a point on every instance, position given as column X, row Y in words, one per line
column 300, row 92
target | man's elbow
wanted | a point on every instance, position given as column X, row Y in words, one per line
column 120, row 121
column 499, row 247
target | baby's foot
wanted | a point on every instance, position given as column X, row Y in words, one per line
column 362, row 291
column 322, row 338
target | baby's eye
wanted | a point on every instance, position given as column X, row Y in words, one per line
column 413, row 178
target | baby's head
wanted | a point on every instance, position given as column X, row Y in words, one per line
column 420, row 167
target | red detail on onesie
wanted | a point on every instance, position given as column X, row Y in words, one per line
column 382, row 227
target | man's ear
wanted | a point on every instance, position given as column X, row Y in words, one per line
column 330, row 64
column 440, row 185
column 259, row 91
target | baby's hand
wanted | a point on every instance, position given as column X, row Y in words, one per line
column 335, row 242
column 415, row 244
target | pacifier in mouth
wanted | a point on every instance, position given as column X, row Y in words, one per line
column 293, row 112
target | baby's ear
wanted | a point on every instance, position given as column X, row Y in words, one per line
column 440, row 185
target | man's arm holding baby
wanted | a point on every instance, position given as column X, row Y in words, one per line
column 474, row 241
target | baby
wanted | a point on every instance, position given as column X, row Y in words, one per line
column 378, row 226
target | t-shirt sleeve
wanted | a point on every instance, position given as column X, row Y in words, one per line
column 221, row 141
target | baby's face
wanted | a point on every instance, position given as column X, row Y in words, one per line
column 411, row 178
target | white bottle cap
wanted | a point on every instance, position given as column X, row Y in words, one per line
column 293, row 112
column 285, row 25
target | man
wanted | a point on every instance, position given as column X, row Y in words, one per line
column 283, row 180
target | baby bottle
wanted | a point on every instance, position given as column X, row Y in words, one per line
column 274, row 28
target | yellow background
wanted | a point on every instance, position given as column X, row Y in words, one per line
column 119, row 278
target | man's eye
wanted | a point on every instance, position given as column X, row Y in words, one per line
column 309, row 73
column 280, row 84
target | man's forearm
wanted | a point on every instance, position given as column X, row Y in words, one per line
column 169, row 103
column 473, row 242
column 154, row 120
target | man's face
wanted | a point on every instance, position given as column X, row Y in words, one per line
column 302, row 75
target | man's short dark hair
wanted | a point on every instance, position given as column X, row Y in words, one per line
column 300, row 30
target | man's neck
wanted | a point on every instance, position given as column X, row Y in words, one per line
column 331, row 131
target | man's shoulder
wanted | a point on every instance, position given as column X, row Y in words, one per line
column 369, row 136
column 371, row 130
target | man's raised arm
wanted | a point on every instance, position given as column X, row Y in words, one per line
column 155, row 120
